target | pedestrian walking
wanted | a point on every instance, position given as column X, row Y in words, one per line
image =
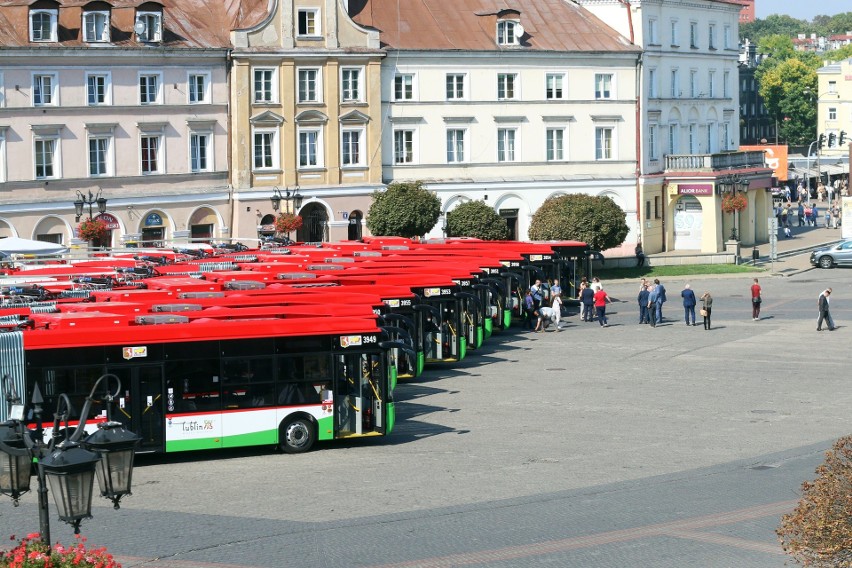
column 688, row 305
column 824, row 312
column 643, row 304
column 596, row 284
column 801, row 214
column 652, row 305
column 661, row 299
column 536, row 292
column 756, row 299
column 601, row 300
column 587, row 302
column 556, row 304
column 529, row 310
column 706, row 308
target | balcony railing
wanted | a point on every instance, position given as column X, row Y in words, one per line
column 714, row 162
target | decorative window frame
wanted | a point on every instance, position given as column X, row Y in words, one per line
column 42, row 132
column 318, row 99
column 107, row 75
column 54, row 88
column 201, row 127
column 361, row 95
column 54, row 24
column 105, row 36
column 160, row 94
column 274, row 94
column 507, row 35
column 317, row 20
column 149, row 19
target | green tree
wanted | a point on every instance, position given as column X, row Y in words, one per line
column 404, row 210
column 844, row 52
column 775, row 24
column 478, row 220
column 787, row 90
column 597, row 221
column 819, row 530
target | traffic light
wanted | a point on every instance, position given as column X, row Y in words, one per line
column 821, row 143
column 832, row 138
column 842, row 140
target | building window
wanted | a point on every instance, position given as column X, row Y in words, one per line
column 44, row 90
column 658, row 211
column 98, row 89
column 674, row 144
column 711, row 36
column 310, row 146
column 832, row 87
column 726, row 37
column 675, row 92
column 150, row 147
column 506, row 144
column 309, row 85
column 555, row 144
column 506, row 86
column 43, row 25
column 200, row 159
column 726, row 137
column 693, row 83
column 508, row 32
column 264, row 86
column 265, row 149
column 726, row 84
column 693, row 35
column 832, row 113
column 711, row 84
column 403, row 147
column 150, row 26
column 99, row 156
column 603, row 86
column 150, row 85
column 308, row 22
column 403, row 87
column 455, row 86
column 455, row 145
column 652, row 83
column 95, row 27
column 603, row 143
column 46, row 158
column 555, row 86
column 352, row 151
column 674, row 33
column 199, row 88
column 693, row 139
column 2, row 155
column 652, row 142
column 351, row 85
column 653, row 33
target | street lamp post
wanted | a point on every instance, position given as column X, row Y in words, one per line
column 732, row 183
column 89, row 200
column 68, row 463
column 287, row 197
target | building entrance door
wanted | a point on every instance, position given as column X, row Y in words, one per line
column 688, row 223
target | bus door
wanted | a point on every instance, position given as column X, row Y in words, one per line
column 361, row 398
column 427, row 319
column 500, row 302
column 448, row 342
column 404, row 361
column 141, row 404
column 471, row 319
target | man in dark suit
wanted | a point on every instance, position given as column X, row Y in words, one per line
column 643, row 305
column 824, row 313
column 688, row 305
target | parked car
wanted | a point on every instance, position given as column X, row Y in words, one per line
column 839, row 254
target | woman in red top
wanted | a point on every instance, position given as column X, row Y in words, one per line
column 755, row 300
column 601, row 298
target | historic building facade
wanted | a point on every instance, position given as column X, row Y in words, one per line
column 126, row 101
column 305, row 93
column 505, row 107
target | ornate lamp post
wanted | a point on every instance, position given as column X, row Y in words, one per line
column 89, row 200
column 732, row 184
column 288, row 196
column 68, row 463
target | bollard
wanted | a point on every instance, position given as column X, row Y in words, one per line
column 755, row 254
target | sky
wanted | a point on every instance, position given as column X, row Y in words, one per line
column 801, row 9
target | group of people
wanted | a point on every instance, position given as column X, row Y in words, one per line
column 652, row 295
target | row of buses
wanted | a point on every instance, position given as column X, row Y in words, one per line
column 227, row 347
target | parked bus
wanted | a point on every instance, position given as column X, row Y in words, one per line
column 218, row 384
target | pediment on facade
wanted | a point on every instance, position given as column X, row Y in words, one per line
column 354, row 117
column 267, row 118
column 311, row 117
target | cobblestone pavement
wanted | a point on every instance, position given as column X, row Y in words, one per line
column 594, row 447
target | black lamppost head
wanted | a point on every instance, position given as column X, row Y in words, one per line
column 297, row 199
column 116, row 447
column 276, row 198
column 70, row 472
column 15, row 462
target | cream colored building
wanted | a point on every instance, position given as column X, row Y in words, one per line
column 306, row 115
column 834, row 109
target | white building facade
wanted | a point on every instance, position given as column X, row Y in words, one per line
column 518, row 114
column 689, row 106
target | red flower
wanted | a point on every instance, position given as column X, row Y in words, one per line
column 734, row 202
column 92, row 229
column 287, row 222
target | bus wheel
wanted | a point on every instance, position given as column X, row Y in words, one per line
column 297, row 435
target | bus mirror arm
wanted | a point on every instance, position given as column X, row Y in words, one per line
column 398, row 317
column 436, row 313
column 398, row 345
column 392, row 329
column 471, row 297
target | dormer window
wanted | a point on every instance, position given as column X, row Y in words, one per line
column 149, row 27
column 95, row 27
column 43, row 25
column 509, row 32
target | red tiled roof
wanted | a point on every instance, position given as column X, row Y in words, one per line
column 186, row 23
column 550, row 25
